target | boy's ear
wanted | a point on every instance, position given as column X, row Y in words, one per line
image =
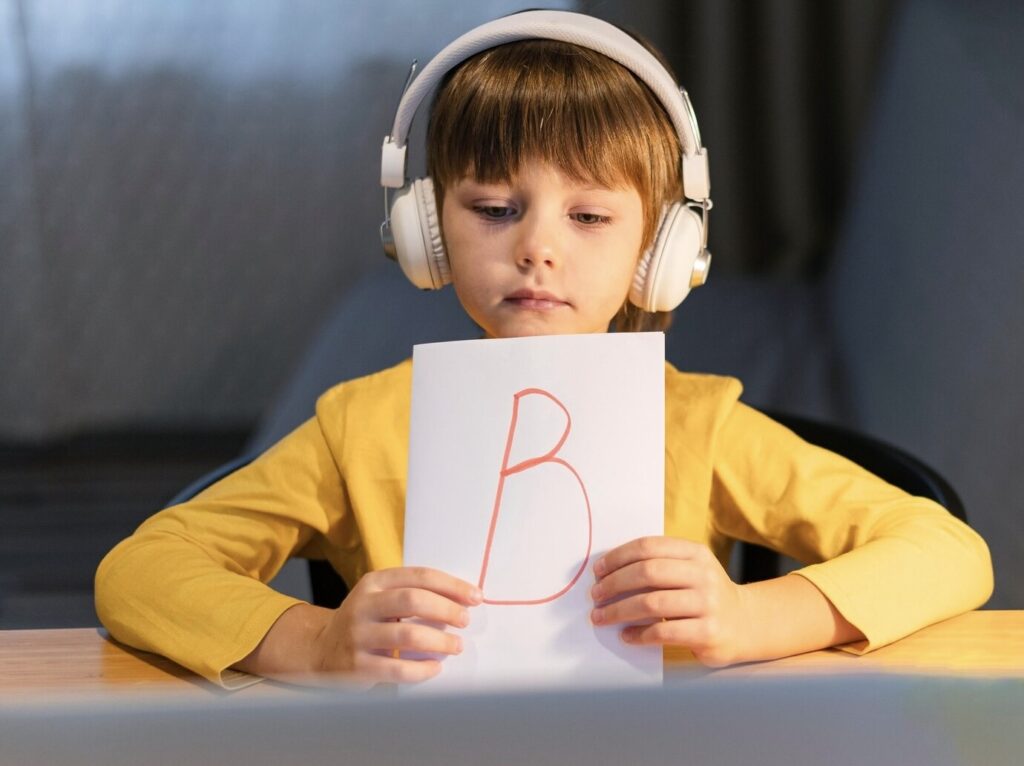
column 675, row 263
column 416, row 233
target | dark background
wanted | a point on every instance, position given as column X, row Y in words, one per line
column 187, row 188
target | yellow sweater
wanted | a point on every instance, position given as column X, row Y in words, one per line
column 189, row 584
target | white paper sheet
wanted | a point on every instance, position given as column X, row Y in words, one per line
column 528, row 459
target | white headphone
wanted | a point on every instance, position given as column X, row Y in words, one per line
column 677, row 261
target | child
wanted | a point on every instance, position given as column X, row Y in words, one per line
column 551, row 166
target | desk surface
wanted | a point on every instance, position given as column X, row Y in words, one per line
column 84, row 662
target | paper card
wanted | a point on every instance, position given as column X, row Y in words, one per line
column 528, row 459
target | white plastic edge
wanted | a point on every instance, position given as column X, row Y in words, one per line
column 392, row 164
column 696, row 176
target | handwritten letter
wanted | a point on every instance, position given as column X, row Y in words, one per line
column 506, row 471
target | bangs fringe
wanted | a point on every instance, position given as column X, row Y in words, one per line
column 547, row 101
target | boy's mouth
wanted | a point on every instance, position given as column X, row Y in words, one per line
column 535, row 299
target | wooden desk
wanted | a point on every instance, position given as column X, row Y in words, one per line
column 986, row 643
column 84, row 662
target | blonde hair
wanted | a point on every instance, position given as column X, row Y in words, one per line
column 567, row 106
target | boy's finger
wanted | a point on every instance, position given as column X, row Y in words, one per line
column 643, row 548
column 693, row 634
column 650, row 607
column 395, row 670
column 399, row 603
column 651, row 574
column 676, row 633
column 409, row 636
column 426, row 578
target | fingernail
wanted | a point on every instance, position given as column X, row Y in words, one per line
column 599, row 567
column 596, row 592
column 626, row 636
column 458, row 645
column 476, row 595
column 464, row 619
column 597, row 616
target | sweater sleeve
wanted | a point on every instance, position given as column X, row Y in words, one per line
column 190, row 582
column 889, row 562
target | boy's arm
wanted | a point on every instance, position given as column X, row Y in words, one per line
column 356, row 642
column 882, row 564
column 190, row 582
column 890, row 563
column 812, row 622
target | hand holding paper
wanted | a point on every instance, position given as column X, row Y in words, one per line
column 669, row 591
column 363, row 632
column 356, row 642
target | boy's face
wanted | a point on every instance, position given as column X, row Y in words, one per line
column 541, row 254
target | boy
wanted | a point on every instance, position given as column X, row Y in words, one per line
column 556, row 203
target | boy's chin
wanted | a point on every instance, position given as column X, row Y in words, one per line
column 536, row 324
column 537, row 332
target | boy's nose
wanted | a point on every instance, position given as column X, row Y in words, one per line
column 538, row 243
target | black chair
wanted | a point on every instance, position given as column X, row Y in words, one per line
column 756, row 563
column 881, row 458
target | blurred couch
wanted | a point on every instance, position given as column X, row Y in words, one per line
column 913, row 334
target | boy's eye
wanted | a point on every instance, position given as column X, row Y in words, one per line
column 591, row 219
column 493, row 212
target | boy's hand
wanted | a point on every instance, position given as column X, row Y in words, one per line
column 671, row 591
column 362, row 635
column 358, row 641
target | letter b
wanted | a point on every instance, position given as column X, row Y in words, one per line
column 548, row 458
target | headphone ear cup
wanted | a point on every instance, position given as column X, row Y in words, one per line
column 416, row 229
column 665, row 272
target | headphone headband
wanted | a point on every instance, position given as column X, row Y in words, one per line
column 576, row 29
column 675, row 262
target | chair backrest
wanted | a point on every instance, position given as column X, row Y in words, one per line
column 886, row 461
column 889, row 463
column 209, row 479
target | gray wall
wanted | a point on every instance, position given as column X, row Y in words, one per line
column 188, row 186
column 184, row 190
